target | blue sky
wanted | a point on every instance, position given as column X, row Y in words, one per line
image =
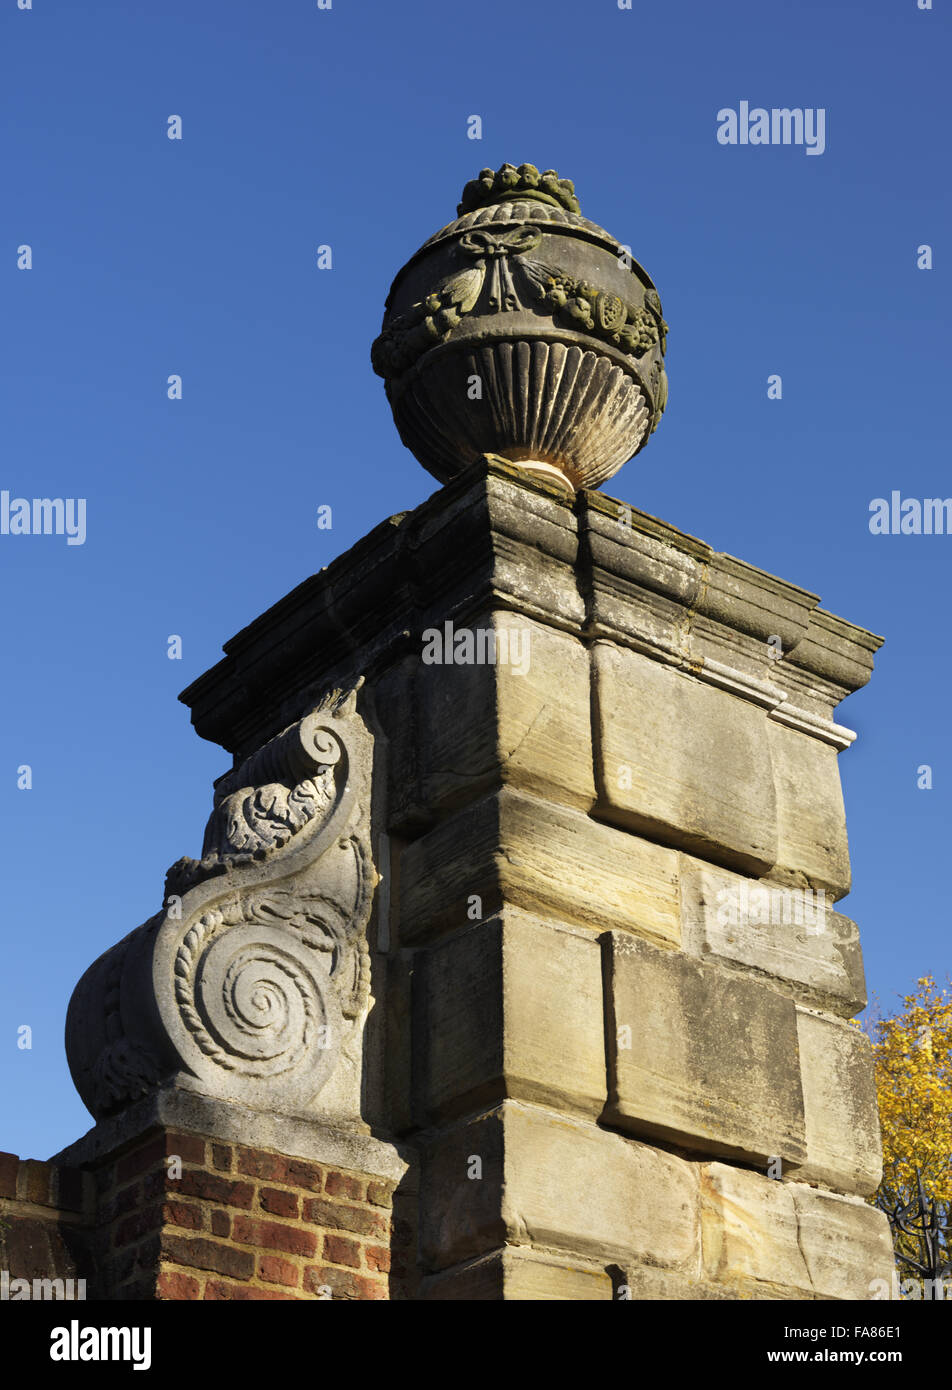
column 348, row 127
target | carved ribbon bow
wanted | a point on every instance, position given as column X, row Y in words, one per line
column 498, row 247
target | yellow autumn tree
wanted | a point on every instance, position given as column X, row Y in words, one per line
column 912, row 1052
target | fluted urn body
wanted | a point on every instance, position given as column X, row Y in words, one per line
column 524, row 331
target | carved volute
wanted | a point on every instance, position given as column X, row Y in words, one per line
column 252, row 984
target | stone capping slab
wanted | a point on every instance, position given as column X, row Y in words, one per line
column 751, row 600
column 292, row 1135
column 836, row 650
column 826, row 644
column 456, row 547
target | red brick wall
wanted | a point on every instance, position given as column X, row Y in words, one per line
column 239, row 1223
column 45, row 1213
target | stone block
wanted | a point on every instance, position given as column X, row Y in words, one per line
column 622, row 543
column 640, row 582
column 461, row 1183
column 787, row 1235
column 396, row 712
column 641, row 1283
column 535, row 546
column 554, row 1181
column 812, row 846
column 518, row 1274
column 790, row 934
column 493, row 533
column 846, row 1244
column 513, row 1008
column 515, row 849
column 749, row 1229
column 522, row 719
column 682, row 762
column 700, row 1057
column 844, row 1150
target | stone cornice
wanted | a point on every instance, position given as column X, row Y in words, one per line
column 498, row 538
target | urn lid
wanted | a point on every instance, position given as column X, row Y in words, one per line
column 524, row 182
column 525, row 331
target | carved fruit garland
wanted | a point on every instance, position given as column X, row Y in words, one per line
column 576, row 302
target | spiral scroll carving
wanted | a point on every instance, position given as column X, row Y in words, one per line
column 257, row 1001
column 256, row 979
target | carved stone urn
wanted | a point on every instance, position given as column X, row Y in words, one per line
column 526, row 332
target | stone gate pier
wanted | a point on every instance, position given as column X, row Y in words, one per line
column 510, row 966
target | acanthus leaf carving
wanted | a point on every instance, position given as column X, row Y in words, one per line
column 306, row 768
column 428, row 322
column 123, row 1072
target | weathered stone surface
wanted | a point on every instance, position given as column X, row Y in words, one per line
column 548, row 1180
column 522, row 721
column 639, row 585
column 470, row 796
column 461, row 1183
column 512, row 848
column 746, row 599
column 632, row 554
column 749, row 1229
column 496, row 534
column 844, row 1149
column 812, row 848
column 496, row 539
column 396, row 713
column 645, row 1282
column 518, row 1274
column 525, row 297
column 252, row 983
column 513, row 1008
column 846, row 1244
column 754, row 926
column 837, row 651
column 790, row 1236
column 172, row 1108
column 707, row 1059
column 682, row 762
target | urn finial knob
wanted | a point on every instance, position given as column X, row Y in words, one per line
column 523, row 331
